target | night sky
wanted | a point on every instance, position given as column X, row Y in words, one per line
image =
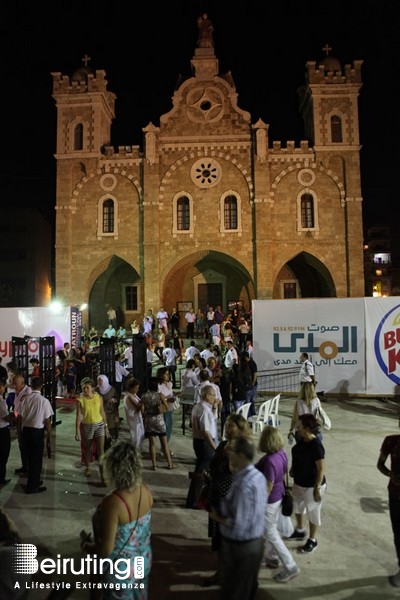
column 144, row 49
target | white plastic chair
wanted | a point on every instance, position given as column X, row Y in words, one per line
column 273, row 418
column 244, row 410
column 258, row 421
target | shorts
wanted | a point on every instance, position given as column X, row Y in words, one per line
column 303, row 500
column 93, row 430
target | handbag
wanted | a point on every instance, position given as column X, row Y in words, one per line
column 287, row 499
column 323, row 418
column 203, row 499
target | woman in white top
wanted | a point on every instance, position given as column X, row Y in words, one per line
column 189, row 379
column 303, row 407
column 133, row 411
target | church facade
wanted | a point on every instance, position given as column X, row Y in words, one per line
column 209, row 211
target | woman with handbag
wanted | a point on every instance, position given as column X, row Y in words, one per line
column 274, row 465
column 155, row 405
column 307, row 403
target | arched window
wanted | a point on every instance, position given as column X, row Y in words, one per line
column 336, row 129
column 78, row 137
column 183, row 214
column 108, row 216
column 307, row 211
column 230, row 212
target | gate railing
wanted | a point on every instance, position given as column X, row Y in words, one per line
column 274, row 381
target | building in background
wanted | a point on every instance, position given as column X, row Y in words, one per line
column 25, row 257
column 381, row 268
column 210, row 211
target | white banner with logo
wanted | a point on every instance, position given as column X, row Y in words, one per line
column 354, row 343
column 33, row 322
column 382, row 324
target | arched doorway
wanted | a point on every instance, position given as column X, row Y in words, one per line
column 304, row 276
column 207, row 278
column 119, row 285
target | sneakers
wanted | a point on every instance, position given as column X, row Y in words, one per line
column 272, row 563
column 298, row 534
column 308, row 547
column 286, row 574
column 394, row 580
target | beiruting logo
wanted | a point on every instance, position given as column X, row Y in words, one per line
column 25, row 562
column 387, row 344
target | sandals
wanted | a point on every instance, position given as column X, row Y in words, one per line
column 172, row 466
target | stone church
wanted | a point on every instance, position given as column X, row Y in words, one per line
column 210, row 211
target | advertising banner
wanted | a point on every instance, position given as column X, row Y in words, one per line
column 354, row 343
column 33, row 322
column 382, row 324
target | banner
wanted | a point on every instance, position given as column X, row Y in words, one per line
column 354, row 343
column 382, row 322
column 33, row 322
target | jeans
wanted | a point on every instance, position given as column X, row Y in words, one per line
column 168, row 423
column 251, row 397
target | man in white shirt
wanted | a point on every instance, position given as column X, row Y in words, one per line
column 35, row 416
column 204, row 379
column 215, row 333
column 169, row 357
column 120, row 374
column 129, row 357
column 191, row 351
column 162, row 317
column 22, row 391
column 249, row 348
column 205, row 434
column 231, row 356
column 190, row 317
column 207, row 352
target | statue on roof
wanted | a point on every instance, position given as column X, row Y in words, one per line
column 205, row 27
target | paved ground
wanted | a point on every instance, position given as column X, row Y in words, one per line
column 355, row 553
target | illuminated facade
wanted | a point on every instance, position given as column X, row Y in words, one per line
column 209, row 211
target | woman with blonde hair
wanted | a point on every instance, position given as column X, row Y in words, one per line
column 274, row 466
column 221, row 479
column 121, row 523
column 303, row 407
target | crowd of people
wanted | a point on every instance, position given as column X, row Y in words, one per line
column 246, row 477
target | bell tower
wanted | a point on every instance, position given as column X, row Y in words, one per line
column 85, row 110
column 328, row 103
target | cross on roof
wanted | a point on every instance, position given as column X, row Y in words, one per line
column 85, row 60
column 326, row 49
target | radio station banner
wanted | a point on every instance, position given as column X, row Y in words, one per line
column 64, row 325
column 354, row 343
